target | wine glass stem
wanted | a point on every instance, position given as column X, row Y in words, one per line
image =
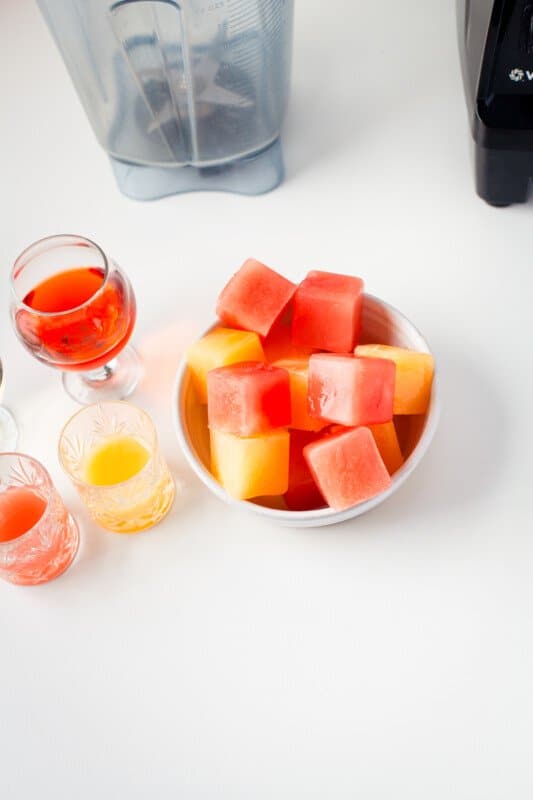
column 8, row 431
column 102, row 373
column 116, row 380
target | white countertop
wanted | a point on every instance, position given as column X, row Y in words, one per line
column 217, row 656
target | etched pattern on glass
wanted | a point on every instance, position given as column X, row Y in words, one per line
column 45, row 551
column 131, row 506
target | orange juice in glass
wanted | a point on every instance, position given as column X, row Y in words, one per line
column 38, row 537
column 111, row 453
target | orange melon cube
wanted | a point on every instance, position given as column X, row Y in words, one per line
column 253, row 466
column 218, row 348
column 409, row 429
column 388, row 445
column 414, row 375
column 298, row 369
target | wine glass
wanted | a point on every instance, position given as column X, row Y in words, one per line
column 8, row 427
column 72, row 307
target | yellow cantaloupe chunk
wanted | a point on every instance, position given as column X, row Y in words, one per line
column 254, row 466
column 386, row 439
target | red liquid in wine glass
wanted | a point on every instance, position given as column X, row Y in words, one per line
column 66, row 290
column 83, row 323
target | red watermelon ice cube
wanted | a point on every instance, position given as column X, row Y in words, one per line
column 303, row 494
column 248, row 398
column 347, row 468
column 327, row 312
column 254, row 298
column 351, row 391
column 279, row 345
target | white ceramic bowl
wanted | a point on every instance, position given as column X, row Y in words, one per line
column 382, row 324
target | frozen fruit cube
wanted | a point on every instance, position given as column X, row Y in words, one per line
column 254, row 298
column 248, row 398
column 347, row 468
column 386, row 439
column 327, row 312
column 254, row 466
column 350, row 391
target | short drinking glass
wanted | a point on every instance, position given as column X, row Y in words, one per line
column 73, row 308
column 38, row 537
column 111, row 453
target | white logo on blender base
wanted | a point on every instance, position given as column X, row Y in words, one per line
column 518, row 75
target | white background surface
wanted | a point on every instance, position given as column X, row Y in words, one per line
column 220, row 657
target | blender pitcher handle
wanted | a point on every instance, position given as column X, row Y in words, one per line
column 152, row 37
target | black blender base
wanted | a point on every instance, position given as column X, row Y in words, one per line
column 503, row 176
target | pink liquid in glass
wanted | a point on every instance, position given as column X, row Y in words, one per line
column 20, row 510
column 38, row 536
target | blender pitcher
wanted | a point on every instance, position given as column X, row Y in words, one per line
column 182, row 94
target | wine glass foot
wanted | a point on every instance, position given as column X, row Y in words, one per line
column 115, row 381
column 8, row 431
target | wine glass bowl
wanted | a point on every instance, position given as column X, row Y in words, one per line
column 74, row 309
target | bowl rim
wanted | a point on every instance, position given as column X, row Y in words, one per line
column 321, row 516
